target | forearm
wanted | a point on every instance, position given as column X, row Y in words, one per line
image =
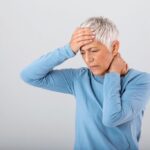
column 44, row 64
column 112, row 99
column 118, row 107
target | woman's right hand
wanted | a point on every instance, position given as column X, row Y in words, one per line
column 81, row 37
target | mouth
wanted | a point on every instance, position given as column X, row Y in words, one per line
column 93, row 67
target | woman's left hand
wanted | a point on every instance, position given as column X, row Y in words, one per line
column 118, row 65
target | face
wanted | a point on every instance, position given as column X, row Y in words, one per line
column 97, row 57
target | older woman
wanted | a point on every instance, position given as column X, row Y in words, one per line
column 110, row 97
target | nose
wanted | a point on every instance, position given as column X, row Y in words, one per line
column 88, row 58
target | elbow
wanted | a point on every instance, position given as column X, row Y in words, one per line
column 24, row 76
column 111, row 121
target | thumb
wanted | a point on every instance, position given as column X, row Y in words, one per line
column 125, row 70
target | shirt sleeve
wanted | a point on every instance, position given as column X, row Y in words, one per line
column 40, row 72
column 119, row 109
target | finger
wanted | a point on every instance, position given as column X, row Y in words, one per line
column 83, row 43
column 84, row 31
column 84, row 38
column 82, row 35
column 118, row 55
column 125, row 69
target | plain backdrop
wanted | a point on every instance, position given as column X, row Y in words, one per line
column 36, row 119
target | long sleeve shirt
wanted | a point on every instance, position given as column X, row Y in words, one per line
column 109, row 107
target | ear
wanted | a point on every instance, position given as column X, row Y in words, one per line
column 115, row 47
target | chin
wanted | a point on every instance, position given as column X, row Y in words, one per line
column 98, row 73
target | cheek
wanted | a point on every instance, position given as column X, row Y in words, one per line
column 103, row 60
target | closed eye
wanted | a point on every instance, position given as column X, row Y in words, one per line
column 82, row 52
column 94, row 50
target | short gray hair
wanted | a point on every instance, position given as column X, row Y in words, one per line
column 105, row 30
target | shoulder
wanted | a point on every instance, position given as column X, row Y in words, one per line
column 137, row 77
column 81, row 71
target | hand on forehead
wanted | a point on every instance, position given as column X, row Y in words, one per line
column 84, row 33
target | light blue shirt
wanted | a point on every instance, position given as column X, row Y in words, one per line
column 109, row 108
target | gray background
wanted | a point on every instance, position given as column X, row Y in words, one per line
column 36, row 119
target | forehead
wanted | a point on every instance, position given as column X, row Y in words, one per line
column 91, row 45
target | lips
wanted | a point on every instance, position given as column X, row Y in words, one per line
column 93, row 67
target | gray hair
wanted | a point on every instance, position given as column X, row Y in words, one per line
column 105, row 30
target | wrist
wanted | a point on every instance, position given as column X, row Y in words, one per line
column 114, row 70
column 69, row 50
column 73, row 48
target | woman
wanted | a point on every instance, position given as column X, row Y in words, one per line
column 110, row 97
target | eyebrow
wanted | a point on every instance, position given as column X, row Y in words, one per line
column 89, row 49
